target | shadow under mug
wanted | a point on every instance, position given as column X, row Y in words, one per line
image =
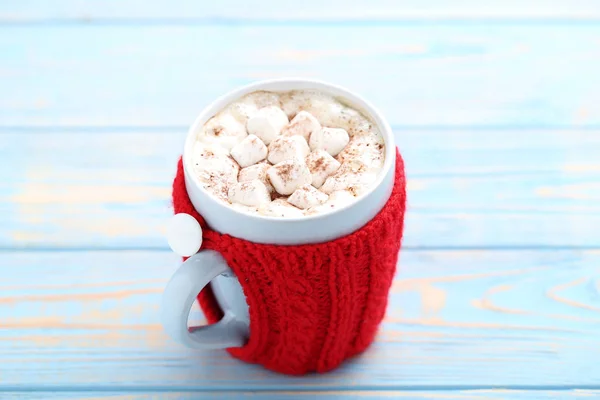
column 208, row 267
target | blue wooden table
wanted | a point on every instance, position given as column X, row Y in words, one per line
column 496, row 110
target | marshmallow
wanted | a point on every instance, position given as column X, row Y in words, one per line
column 252, row 193
column 321, row 165
column 215, row 169
column 257, row 171
column 267, row 123
column 332, row 140
column 352, row 121
column 307, row 196
column 242, row 111
column 326, row 111
column 280, row 208
column 244, row 209
column 224, row 130
column 339, row 198
column 287, row 148
column 289, row 175
column 363, row 153
column 303, row 125
column 336, row 200
column 249, row 151
column 356, row 183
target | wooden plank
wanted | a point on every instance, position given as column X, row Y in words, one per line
column 342, row 394
column 456, row 320
column 476, row 74
column 467, row 188
column 39, row 10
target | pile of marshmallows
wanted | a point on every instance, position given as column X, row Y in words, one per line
column 302, row 156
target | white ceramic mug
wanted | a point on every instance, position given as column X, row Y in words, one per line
column 208, row 267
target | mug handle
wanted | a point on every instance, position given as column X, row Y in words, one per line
column 181, row 293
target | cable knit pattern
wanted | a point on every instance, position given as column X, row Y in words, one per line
column 311, row 306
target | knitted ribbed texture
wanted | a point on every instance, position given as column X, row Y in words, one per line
column 311, row 306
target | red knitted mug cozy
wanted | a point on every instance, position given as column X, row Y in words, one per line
column 311, row 306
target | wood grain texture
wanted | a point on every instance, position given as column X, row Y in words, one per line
column 430, row 74
column 456, row 320
column 495, row 109
column 467, row 188
column 487, row 394
column 380, row 10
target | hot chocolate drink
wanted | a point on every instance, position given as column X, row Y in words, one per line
column 288, row 154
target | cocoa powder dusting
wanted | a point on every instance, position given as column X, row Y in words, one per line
column 275, row 145
column 362, row 151
column 246, row 185
column 286, row 171
column 353, row 190
column 319, row 165
column 218, row 130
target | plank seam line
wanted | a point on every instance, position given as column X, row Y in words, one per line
column 184, row 128
column 411, row 248
column 574, row 20
column 282, row 388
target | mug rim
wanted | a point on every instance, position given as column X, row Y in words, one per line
column 375, row 116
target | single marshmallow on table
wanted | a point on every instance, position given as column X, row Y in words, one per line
column 249, row 151
column 256, row 171
column 332, row 140
column 289, row 175
column 224, row 130
column 321, row 164
column 287, row 147
column 303, row 124
column 251, row 193
column 267, row 123
column 307, row 196
column 279, row 208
